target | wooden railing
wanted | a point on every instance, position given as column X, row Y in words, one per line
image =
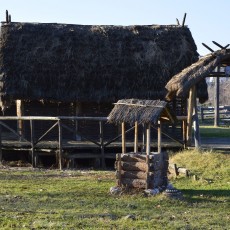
column 58, row 122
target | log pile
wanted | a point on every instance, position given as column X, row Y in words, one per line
column 135, row 170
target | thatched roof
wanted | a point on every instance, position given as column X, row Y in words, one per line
column 142, row 111
column 181, row 83
column 62, row 62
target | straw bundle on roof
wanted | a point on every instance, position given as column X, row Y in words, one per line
column 132, row 110
column 181, row 83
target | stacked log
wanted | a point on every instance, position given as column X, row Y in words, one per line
column 142, row 171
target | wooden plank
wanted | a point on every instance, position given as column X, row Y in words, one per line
column 136, row 138
column 139, row 105
column 123, row 137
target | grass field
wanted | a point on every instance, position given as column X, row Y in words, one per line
column 211, row 131
column 52, row 199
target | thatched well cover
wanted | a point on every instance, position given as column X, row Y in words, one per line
column 141, row 111
column 180, row 84
column 62, row 62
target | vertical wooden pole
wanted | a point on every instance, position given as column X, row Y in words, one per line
column 148, row 149
column 20, row 113
column 34, row 160
column 0, row 143
column 60, row 144
column 78, row 110
column 102, row 144
column 196, row 125
column 7, row 16
column 136, row 138
column 159, row 136
column 190, row 113
column 217, row 100
column 123, row 137
column 143, row 149
column 184, row 123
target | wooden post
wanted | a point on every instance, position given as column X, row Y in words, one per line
column 217, row 100
column 0, row 143
column 34, row 158
column 60, row 144
column 20, row 113
column 196, row 126
column 102, row 144
column 190, row 113
column 184, row 123
column 143, row 149
column 159, row 136
column 136, row 138
column 7, row 16
column 78, row 110
column 123, row 137
column 148, row 149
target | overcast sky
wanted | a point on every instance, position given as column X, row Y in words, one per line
column 208, row 20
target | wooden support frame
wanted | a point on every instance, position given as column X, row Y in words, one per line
column 136, row 138
column 60, row 145
column 159, row 134
column 123, row 137
column 191, row 102
column 148, row 150
column 102, row 144
column 20, row 112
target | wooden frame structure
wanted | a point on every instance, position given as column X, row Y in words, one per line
column 140, row 169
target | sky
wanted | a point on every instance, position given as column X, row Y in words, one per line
column 208, row 20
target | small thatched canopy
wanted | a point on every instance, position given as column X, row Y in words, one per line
column 141, row 111
column 65, row 63
column 181, row 83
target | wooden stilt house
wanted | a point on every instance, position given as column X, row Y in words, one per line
column 64, row 70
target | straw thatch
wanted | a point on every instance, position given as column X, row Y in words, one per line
column 59, row 62
column 181, row 83
column 141, row 111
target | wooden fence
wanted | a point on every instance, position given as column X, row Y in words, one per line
column 209, row 112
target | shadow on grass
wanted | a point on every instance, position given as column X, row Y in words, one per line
column 206, row 195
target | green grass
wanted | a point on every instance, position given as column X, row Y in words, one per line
column 51, row 199
column 211, row 131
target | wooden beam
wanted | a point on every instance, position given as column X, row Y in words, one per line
column 20, row 113
column 217, row 100
column 78, row 111
column 136, row 138
column 207, row 47
column 7, row 16
column 159, row 137
column 148, row 149
column 60, row 145
column 123, row 137
column 190, row 113
column 0, row 143
column 196, row 125
column 102, row 147
column 184, row 19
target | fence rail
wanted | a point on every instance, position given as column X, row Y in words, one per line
column 208, row 112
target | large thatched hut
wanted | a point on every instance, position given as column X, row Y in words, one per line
column 58, row 69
